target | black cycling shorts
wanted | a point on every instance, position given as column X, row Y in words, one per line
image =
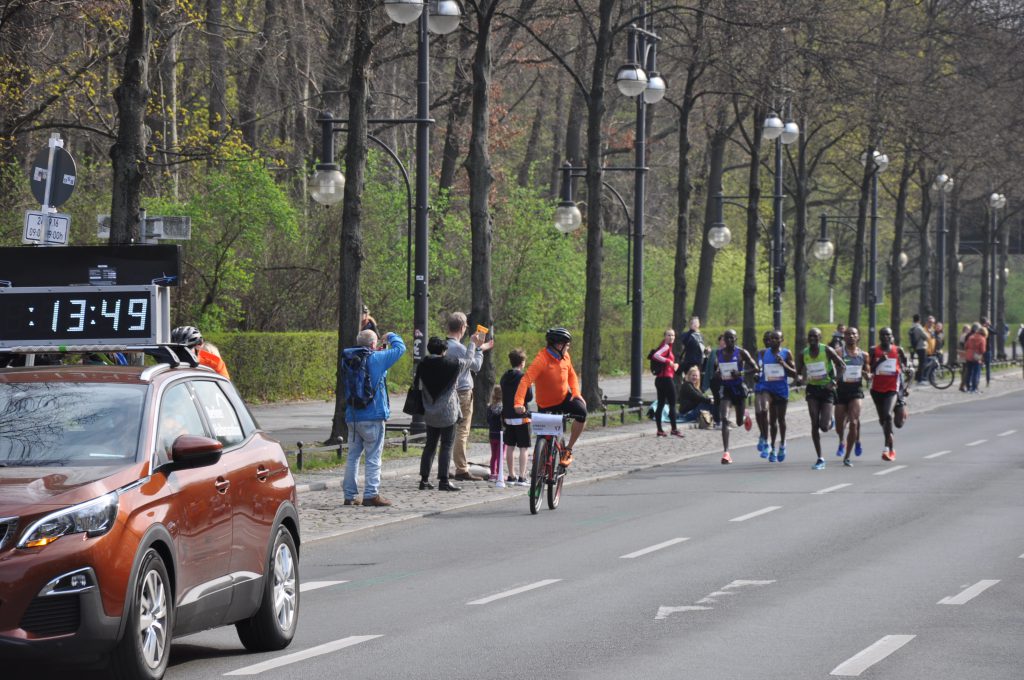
column 518, row 435
column 570, row 407
column 821, row 393
column 844, row 395
column 733, row 392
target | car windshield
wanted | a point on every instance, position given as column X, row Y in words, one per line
column 63, row 423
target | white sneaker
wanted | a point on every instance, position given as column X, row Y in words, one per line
column 522, row 482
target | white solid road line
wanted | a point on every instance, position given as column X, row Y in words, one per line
column 652, row 548
column 1007, row 433
column 886, row 471
column 303, row 655
column 830, row 489
column 317, row 585
column 757, row 513
column 516, row 591
column 937, row 454
column 970, row 593
column 867, row 658
column 976, row 443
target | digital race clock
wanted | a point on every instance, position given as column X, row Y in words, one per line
column 80, row 315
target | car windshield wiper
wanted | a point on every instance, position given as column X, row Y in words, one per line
column 33, row 463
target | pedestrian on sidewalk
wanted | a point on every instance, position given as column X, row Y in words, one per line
column 974, row 353
column 692, row 349
column 517, row 427
column 457, row 324
column 494, row 432
column 919, row 338
column 438, row 374
column 988, row 330
column 366, row 420
column 693, row 399
column 664, row 382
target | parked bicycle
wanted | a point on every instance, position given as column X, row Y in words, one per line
column 546, row 470
column 939, row 375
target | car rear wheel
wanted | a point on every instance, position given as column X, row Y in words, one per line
column 273, row 625
column 144, row 648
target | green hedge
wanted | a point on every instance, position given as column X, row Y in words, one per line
column 268, row 367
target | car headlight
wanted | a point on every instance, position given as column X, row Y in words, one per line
column 93, row 518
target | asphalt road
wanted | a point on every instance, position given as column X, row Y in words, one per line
column 905, row 570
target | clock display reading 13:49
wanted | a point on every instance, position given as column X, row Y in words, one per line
column 71, row 315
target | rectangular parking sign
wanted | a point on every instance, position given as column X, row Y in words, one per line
column 41, row 227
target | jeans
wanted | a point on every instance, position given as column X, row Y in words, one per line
column 973, row 375
column 462, row 432
column 447, row 436
column 365, row 438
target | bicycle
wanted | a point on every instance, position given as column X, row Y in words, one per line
column 939, row 375
column 546, row 469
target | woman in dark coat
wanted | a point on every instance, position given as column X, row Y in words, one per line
column 437, row 375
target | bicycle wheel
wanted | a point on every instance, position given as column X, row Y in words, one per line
column 555, row 485
column 941, row 376
column 540, row 455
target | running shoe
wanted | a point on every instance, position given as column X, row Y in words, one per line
column 887, row 454
column 522, row 482
column 782, row 452
column 820, row 465
column 841, row 451
column 566, row 459
column 726, row 458
column 772, row 458
column 857, row 448
column 747, row 424
column 510, row 480
column 847, row 462
column 762, row 447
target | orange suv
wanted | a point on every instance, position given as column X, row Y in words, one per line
column 138, row 504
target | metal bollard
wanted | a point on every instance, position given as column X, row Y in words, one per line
column 640, row 412
column 604, row 417
column 340, row 445
column 622, row 414
column 298, row 456
column 405, row 440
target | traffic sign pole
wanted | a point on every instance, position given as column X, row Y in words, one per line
column 54, row 143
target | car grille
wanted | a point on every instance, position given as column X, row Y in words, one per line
column 7, row 527
column 53, row 615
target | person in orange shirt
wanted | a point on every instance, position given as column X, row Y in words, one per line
column 207, row 354
column 556, row 386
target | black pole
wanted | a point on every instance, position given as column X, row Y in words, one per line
column 420, row 294
column 326, row 120
column 639, row 189
column 993, row 246
column 777, row 260
column 873, row 262
column 942, row 254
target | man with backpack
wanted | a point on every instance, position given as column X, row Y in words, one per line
column 692, row 347
column 369, row 407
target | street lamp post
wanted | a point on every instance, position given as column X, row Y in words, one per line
column 648, row 87
column 943, row 184
column 442, row 17
column 995, row 203
column 879, row 162
column 781, row 133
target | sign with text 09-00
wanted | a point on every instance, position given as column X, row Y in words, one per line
column 41, row 227
column 78, row 315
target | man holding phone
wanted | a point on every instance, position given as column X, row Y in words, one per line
column 457, row 325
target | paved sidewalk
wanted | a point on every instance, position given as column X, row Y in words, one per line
column 600, row 454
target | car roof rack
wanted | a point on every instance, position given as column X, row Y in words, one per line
column 172, row 354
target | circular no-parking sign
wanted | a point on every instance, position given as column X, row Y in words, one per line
column 64, row 176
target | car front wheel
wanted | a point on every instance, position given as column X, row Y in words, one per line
column 273, row 625
column 143, row 651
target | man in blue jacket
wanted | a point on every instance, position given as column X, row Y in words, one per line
column 366, row 422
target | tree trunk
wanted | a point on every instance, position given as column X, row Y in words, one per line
column 352, row 255
column 338, row 35
column 218, row 60
column 953, row 273
column 895, row 279
column 716, row 167
column 457, row 111
column 590, row 370
column 578, row 103
column 753, row 231
column 1004, row 260
column 128, row 154
column 557, row 142
column 801, row 197
column 857, row 273
column 928, row 291
column 248, row 116
column 478, row 166
column 684, row 191
column 524, row 177
column 167, row 69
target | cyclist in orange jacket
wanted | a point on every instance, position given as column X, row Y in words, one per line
column 192, row 338
column 556, row 386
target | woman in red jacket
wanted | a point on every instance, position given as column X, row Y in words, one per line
column 663, row 382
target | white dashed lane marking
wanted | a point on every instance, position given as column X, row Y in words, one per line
column 652, row 548
column 756, row 513
column 830, row 489
column 319, row 650
column 976, row 443
column 969, row 593
column 317, row 585
column 515, row 591
column 1007, row 433
column 937, row 454
column 861, row 661
column 888, row 470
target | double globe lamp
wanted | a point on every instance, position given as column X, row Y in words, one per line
column 328, row 184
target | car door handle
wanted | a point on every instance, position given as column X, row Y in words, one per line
column 222, row 485
column 262, row 473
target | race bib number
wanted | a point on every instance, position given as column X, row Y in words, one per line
column 817, row 371
column 727, row 368
column 853, row 373
column 887, row 367
column 773, row 372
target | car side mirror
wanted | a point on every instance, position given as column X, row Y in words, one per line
column 192, row 451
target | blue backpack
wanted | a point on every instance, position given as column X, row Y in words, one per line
column 358, row 389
